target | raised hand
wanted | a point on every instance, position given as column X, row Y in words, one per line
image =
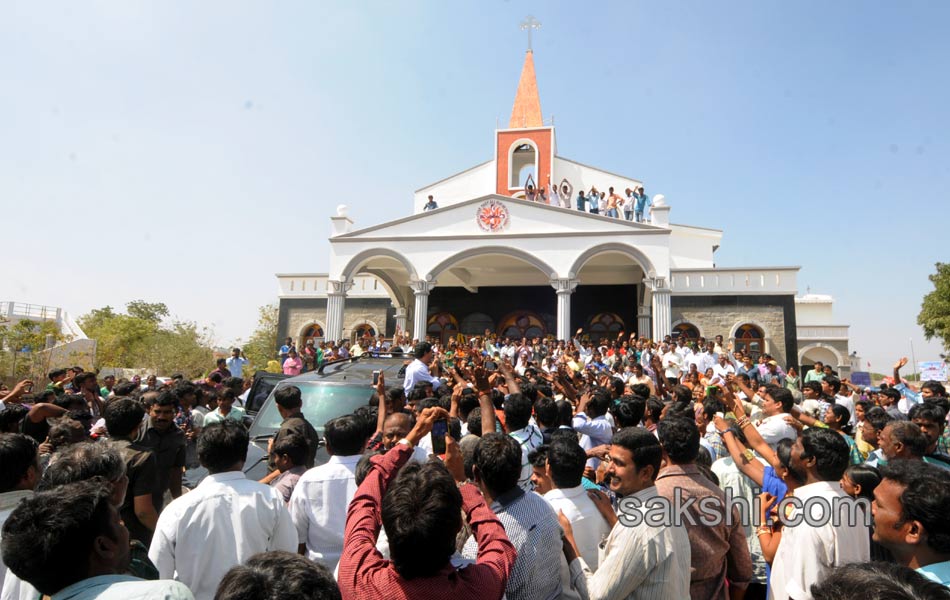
column 424, row 423
column 453, row 459
column 481, row 380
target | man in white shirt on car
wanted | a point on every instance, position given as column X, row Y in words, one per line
column 224, row 521
column 319, row 503
column 565, row 468
column 418, row 370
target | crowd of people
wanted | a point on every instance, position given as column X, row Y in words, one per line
column 524, row 469
column 633, row 205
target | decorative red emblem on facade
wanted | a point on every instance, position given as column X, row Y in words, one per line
column 492, row 216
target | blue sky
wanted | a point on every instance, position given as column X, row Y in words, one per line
column 185, row 152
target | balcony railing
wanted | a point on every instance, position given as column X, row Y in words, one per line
column 775, row 280
column 314, row 285
column 822, row 332
column 32, row 312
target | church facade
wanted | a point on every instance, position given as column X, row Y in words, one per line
column 488, row 258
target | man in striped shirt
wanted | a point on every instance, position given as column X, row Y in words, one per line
column 640, row 559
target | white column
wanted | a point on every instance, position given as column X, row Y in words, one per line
column 564, row 288
column 421, row 312
column 336, row 301
column 402, row 318
column 662, row 317
column 644, row 308
column 643, row 320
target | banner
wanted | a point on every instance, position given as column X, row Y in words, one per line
column 861, row 378
column 932, row 370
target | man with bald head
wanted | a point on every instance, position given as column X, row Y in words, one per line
column 396, row 427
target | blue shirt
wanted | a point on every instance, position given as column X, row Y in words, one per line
column 581, row 201
column 912, row 396
column 642, row 202
column 939, row 572
column 773, row 484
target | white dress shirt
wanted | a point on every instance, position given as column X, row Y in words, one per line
column 644, row 562
column 589, row 526
column 672, row 365
column 318, row 508
column 594, row 432
column 807, row 554
column 416, row 372
column 720, row 372
column 221, row 523
column 706, row 360
column 774, row 429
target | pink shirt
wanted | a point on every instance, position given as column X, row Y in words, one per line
column 292, row 366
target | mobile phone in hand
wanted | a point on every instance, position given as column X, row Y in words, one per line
column 375, row 377
column 439, row 430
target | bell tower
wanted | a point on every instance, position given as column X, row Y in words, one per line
column 526, row 147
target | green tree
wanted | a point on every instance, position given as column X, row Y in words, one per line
column 262, row 345
column 140, row 340
column 934, row 314
column 147, row 311
column 121, row 340
column 21, row 344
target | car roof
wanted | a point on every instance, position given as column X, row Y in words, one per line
column 355, row 370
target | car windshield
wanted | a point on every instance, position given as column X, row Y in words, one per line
column 321, row 402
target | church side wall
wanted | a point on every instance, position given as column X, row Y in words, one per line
column 721, row 315
column 296, row 313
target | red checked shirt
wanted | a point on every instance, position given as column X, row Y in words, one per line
column 365, row 575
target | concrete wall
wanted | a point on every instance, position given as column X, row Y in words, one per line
column 814, row 313
column 722, row 315
column 692, row 248
column 472, row 183
column 295, row 314
column 583, row 177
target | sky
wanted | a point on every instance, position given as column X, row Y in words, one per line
column 185, row 152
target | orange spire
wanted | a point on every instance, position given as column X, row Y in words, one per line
column 527, row 109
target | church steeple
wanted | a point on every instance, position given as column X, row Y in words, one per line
column 526, row 112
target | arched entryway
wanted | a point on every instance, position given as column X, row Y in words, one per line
column 442, row 326
column 750, row 339
column 522, row 324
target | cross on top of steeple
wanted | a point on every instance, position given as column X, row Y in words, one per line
column 528, row 24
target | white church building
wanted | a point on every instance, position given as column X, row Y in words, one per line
column 489, row 259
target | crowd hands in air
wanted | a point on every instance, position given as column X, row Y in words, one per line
column 554, row 478
column 633, row 205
